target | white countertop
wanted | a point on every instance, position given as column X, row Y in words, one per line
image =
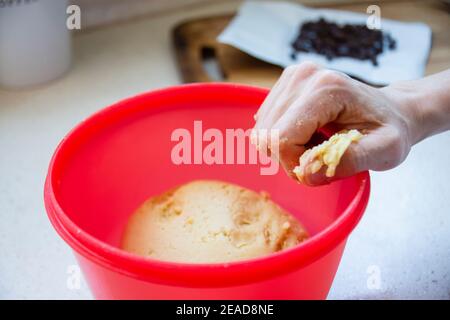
column 404, row 235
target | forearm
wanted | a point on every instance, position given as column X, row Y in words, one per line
column 426, row 102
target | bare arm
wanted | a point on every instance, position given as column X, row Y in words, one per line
column 427, row 101
column 393, row 119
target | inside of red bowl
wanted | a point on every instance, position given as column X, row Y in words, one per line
column 117, row 159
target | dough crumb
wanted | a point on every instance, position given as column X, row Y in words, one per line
column 328, row 153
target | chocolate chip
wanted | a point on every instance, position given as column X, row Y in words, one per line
column 349, row 40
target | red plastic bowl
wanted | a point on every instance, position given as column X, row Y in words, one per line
column 111, row 162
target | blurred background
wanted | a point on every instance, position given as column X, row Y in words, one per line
column 55, row 78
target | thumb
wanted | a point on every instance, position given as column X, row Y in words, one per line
column 353, row 161
column 377, row 150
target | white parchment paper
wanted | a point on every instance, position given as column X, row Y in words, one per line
column 266, row 30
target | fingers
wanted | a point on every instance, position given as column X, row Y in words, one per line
column 304, row 94
column 285, row 91
column 306, row 116
column 298, row 124
column 296, row 108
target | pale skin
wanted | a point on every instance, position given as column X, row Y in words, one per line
column 392, row 119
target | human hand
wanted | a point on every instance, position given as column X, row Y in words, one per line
column 308, row 97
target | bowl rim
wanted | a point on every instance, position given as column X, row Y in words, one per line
column 198, row 274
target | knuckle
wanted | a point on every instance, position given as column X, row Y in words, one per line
column 396, row 148
column 284, row 145
column 304, row 68
column 331, row 78
column 290, row 70
column 357, row 158
column 282, row 140
column 308, row 66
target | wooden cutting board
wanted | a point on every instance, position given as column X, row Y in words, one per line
column 195, row 41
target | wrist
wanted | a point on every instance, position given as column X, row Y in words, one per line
column 425, row 103
column 407, row 102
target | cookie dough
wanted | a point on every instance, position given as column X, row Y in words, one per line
column 328, row 153
column 210, row 221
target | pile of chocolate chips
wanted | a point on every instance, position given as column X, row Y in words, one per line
column 349, row 40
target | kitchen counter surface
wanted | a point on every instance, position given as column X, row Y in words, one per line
column 400, row 249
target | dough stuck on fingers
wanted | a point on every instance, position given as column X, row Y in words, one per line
column 328, row 153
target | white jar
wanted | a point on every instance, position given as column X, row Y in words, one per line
column 35, row 43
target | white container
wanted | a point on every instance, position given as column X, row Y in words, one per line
column 35, row 43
